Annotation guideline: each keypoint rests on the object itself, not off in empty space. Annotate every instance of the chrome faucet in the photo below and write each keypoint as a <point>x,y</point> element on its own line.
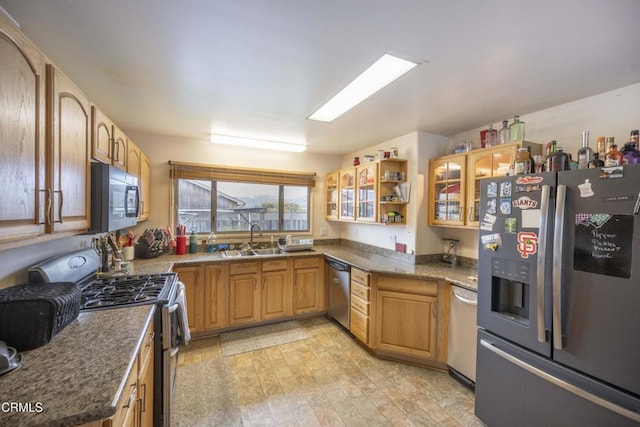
<point>254,226</point>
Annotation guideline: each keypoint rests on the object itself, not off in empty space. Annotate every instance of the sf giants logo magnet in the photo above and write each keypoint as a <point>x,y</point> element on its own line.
<point>527,243</point>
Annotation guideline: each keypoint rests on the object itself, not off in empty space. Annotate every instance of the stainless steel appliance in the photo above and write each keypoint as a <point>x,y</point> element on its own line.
<point>114,198</point>
<point>463,332</point>
<point>124,290</point>
<point>558,299</point>
<point>339,278</point>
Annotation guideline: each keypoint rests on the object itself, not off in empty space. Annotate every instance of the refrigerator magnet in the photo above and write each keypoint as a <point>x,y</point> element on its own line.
<point>510,225</point>
<point>505,206</point>
<point>491,206</point>
<point>611,172</point>
<point>488,218</point>
<point>527,243</point>
<point>585,189</point>
<point>491,241</point>
<point>486,226</point>
<point>505,189</point>
<point>492,189</point>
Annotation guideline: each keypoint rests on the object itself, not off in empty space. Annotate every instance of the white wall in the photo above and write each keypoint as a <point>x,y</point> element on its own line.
<point>161,149</point>
<point>613,113</point>
<point>417,148</point>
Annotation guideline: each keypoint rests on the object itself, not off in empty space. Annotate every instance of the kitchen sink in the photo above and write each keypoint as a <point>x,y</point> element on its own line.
<point>250,253</point>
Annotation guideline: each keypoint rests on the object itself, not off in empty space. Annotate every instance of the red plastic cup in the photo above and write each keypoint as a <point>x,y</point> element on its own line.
<point>181,247</point>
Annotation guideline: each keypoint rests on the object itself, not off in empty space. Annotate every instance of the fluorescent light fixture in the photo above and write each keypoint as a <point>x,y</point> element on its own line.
<point>381,73</point>
<point>256,143</point>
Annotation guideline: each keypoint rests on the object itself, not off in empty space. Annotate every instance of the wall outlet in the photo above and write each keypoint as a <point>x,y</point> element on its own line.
<point>324,232</point>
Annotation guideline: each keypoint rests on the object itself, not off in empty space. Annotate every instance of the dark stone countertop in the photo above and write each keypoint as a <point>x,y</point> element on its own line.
<point>79,376</point>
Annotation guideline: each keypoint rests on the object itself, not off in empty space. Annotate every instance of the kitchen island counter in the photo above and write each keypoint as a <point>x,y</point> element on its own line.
<point>79,376</point>
<point>375,263</point>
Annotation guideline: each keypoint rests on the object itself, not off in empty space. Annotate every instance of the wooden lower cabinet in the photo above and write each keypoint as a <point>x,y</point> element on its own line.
<point>360,310</point>
<point>275,294</point>
<point>309,289</point>
<point>410,320</point>
<point>135,405</point>
<point>206,295</point>
<point>244,299</point>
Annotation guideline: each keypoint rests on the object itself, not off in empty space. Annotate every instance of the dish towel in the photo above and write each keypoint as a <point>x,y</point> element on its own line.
<point>183,320</point>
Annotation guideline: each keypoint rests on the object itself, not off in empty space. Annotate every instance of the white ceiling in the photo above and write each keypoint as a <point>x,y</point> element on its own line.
<point>260,67</point>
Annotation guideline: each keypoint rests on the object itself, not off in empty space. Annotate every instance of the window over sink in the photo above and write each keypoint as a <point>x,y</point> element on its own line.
<point>227,201</point>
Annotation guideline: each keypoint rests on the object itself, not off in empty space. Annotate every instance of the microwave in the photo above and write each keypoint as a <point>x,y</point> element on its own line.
<point>115,198</point>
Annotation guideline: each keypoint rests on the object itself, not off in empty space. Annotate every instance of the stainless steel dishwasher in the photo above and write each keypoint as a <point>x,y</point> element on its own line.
<point>463,332</point>
<point>339,284</point>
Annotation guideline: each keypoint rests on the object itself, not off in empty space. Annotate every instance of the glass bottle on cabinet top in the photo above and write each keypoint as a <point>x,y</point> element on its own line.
<point>331,206</point>
<point>503,133</point>
<point>366,180</point>
<point>516,130</point>
<point>347,194</point>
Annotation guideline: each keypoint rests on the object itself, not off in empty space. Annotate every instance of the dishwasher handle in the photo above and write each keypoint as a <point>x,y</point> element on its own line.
<point>337,265</point>
<point>464,298</point>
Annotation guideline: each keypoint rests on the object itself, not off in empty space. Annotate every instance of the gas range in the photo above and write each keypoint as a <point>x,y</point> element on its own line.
<point>104,291</point>
<point>116,291</point>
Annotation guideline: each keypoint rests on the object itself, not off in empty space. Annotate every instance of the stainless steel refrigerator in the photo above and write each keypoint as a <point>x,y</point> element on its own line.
<point>559,299</point>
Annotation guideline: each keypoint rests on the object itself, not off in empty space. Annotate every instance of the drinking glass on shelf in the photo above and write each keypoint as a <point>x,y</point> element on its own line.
<point>538,161</point>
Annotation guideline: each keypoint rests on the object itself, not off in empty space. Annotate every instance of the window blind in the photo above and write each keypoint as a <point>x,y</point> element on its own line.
<point>182,170</point>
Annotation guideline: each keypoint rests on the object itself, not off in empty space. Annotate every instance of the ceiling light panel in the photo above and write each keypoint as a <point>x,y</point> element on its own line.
<point>381,73</point>
<point>256,143</point>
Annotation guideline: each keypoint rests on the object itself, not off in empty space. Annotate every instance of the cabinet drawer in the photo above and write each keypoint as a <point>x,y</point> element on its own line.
<point>274,264</point>
<point>360,291</point>
<point>359,326</point>
<point>403,284</point>
<point>360,276</point>
<point>306,262</point>
<point>243,267</point>
<point>360,305</point>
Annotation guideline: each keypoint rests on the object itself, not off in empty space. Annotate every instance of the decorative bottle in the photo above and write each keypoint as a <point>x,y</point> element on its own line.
<point>491,137</point>
<point>211,242</point>
<point>596,162</point>
<point>601,147</point>
<point>613,157</point>
<point>559,161</point>
<point>630,153</point>
<point>503,133</point>
<point>522,164</point>
<point>516,130</point>
<point>585,153</point>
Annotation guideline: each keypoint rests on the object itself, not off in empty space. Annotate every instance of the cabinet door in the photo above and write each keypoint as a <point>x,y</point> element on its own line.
<point>446,190</point>
<point>22,145</point>
<point>309,295</point>
<point>331,196</point>
<point>347,203</point>
<point>145,390</point>
<point>134,167</point>
<point>216,298</point>
<point>102,136</point>
<point>244,299</point>
<point>145,188</point>
<point>406,324</point>
<point>367,193</point>
<point>194,293</point>
<point>483,164</point>
<point>275,294</point>
<point>119,150</point>
<point>69,167</point>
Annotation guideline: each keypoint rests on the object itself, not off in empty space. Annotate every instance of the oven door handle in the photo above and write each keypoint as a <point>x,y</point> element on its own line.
<point>167,311</point>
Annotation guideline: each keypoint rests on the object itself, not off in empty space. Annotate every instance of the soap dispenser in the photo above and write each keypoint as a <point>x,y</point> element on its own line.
<point>211,243</point>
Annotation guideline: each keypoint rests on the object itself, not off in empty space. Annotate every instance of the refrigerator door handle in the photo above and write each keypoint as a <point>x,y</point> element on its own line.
<point>558,234</point>
<point>634,416</point>
<point>542,257</point>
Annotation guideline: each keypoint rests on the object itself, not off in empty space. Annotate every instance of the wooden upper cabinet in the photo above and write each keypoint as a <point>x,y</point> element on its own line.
<point>109,143</point>
<point>145,188</point>
<point>101,141</point>
<point>22,126</point>
<point>138,165</point>
<point>68,159</point>
<point>119,149</point>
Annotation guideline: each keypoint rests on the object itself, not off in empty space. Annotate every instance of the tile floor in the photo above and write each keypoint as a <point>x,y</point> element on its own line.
<point>329,380</point>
